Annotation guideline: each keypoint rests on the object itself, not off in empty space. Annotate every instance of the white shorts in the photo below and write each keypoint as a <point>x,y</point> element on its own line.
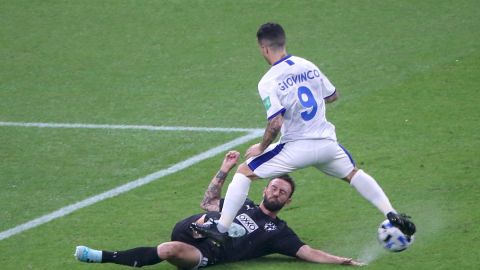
<point>326,155</point>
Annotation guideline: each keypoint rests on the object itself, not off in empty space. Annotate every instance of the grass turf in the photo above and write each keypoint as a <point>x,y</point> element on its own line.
<point>407,72</point>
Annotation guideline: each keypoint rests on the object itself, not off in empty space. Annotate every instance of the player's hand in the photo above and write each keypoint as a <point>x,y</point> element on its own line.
<point>230,161</point>
<point>254,150</point>
<point>350,261</point>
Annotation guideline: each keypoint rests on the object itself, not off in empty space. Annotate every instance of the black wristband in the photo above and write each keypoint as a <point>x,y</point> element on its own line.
<point>221,175</point>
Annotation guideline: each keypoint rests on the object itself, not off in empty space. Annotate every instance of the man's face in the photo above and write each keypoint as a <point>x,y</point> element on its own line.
<point>276,194</point>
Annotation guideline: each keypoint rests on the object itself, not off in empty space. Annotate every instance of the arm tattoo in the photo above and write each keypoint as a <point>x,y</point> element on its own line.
<point>221,175</point>
<point>213,192</point>
<point>271,132</point>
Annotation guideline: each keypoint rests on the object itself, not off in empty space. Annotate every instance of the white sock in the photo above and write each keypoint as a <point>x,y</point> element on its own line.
<point>370,190</point>
<point>236,194</point>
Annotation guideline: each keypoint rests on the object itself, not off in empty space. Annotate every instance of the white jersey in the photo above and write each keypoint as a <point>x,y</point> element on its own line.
<point>296,88</point>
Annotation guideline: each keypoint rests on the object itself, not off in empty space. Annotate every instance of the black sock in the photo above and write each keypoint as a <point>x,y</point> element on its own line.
<point>136,257</point>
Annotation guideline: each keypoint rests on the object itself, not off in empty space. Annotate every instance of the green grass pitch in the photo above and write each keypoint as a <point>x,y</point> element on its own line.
<point>408,73</point>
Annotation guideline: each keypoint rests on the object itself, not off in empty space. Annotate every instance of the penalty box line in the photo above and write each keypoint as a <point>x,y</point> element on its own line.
<point>131,185</point>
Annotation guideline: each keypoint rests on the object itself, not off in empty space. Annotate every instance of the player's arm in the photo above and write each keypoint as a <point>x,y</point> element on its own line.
<point>329,91</point>
<point>333,97</point>
<point>271,132</point>
<point>310,254</point>
<point>211,199</point>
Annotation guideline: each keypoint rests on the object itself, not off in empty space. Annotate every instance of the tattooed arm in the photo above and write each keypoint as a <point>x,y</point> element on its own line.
<point>211,199</point>
<point>271,132</point>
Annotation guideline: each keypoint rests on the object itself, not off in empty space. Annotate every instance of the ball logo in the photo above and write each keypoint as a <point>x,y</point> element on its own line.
<point>247,222</point>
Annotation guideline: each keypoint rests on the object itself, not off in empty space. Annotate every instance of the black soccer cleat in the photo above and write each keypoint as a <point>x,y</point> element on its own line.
<point>209,230</point>
<point>402,222</point>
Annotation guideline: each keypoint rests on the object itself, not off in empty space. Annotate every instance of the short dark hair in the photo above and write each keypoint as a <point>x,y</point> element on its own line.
<point>272,33</point>
<point>287,178</point>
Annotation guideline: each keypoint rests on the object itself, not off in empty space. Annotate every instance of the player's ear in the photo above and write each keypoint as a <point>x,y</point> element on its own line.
<point>263,48</point>
<point>266,50</point>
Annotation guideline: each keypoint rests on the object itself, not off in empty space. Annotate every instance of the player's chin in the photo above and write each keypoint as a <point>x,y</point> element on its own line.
<point>273,206</point>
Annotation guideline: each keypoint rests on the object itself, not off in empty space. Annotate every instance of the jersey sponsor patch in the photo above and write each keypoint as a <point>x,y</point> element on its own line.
<point>267,103</point>
<point>247,222</point>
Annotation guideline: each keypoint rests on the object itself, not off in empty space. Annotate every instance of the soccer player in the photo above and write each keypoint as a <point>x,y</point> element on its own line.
<point>257,231</point>
<point>294,92</point>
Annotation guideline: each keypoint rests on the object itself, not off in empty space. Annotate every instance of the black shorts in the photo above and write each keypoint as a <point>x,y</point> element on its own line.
<point>182,233</point>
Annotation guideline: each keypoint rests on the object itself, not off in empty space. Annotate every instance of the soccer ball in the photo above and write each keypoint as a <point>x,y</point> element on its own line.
<point>392,239</point>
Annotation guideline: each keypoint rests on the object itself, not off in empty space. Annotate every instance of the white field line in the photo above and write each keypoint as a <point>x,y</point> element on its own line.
<point>135,127</point>
<point>129,186</point>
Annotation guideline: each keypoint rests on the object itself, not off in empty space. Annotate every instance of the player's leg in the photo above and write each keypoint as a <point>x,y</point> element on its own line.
<point>343,166</point>
<point>177,253</point>
<point>235,196</point>
<point>182,255</point>
<point>136,257</point>
<point>368,187</point>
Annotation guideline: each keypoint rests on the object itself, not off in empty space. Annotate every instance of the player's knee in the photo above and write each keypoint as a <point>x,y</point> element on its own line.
<point>349,177</point>
<point>168,250</point>
<point>245,170</point>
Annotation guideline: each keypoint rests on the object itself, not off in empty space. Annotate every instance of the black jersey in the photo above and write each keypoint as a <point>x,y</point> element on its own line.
<point>263,235</point>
